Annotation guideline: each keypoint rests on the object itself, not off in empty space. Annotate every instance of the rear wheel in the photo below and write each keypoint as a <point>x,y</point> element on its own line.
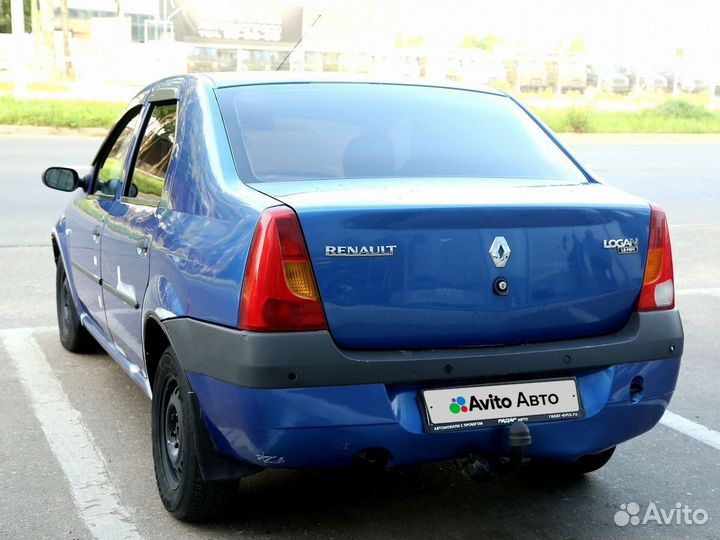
<point>73,335</point>
<point>182,489</point>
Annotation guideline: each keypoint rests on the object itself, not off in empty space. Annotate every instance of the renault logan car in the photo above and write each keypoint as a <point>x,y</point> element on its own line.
<point>311,273</point>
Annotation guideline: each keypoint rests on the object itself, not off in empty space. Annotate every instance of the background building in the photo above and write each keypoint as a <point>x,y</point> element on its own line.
<point>602,46</point>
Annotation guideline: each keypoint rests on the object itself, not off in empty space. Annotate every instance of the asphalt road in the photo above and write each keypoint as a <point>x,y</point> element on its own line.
<point>56,471</point>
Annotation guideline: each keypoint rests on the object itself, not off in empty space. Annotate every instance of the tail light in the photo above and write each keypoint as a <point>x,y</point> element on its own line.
<point>279,292</point>
<point>658,291</point>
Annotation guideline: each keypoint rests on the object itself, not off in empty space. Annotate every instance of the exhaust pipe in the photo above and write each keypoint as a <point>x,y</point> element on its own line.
<point>481,469</point>
<point>372,459</point>
<point>476,468</point>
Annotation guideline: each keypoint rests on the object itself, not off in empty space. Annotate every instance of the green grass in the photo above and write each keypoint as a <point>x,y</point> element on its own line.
<point>59,113</point>
<point>676,116</point>
<point>148,184</point>
<point>36,86</point>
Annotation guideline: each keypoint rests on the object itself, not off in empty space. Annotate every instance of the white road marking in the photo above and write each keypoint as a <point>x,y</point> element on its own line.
<point>34,329</point>
<point>691,429</point>
<point>693,225</point>
<point>711,291</point>
<point>94,495</point>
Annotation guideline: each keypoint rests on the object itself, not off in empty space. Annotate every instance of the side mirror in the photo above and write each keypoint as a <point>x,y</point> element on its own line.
<point>61,178</point>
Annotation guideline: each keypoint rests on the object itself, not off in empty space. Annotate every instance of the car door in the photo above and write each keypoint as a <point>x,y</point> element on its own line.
<point>129,229</point>
<point>86,215</point>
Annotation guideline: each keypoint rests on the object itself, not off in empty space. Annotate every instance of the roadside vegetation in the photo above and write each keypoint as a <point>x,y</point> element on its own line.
<point>59,113</point>
<point>673,116</point>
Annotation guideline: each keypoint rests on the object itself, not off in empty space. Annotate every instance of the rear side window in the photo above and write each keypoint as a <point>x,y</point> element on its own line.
<point>153,158</point>
<point>339,131</point>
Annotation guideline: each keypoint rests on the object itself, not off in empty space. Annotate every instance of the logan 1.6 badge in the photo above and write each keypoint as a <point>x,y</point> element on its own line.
<point>624,246</point>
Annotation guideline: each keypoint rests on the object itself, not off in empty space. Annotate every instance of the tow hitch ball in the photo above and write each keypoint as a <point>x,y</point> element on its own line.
<point>481,469</point>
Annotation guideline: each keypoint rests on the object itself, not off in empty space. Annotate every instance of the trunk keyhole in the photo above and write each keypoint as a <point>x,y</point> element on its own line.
<point>501,286</point>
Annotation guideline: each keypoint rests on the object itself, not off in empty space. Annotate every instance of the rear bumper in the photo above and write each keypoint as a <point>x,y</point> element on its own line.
<point>295,400</point>
<point>309,359</point>
<point>327,426</point>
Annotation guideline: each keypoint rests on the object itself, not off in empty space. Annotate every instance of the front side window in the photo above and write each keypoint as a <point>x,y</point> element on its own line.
<point>285,132</point>
<point>151,165</point>
<point>112,169</point>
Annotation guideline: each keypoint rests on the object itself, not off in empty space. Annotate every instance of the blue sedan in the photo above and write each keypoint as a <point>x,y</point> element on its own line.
<point>318,273</point>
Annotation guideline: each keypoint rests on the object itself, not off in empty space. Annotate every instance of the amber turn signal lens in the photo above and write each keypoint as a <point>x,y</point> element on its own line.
<point>300,279</point>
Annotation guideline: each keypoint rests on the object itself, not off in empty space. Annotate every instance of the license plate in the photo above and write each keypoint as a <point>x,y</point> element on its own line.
<point>468,407</point>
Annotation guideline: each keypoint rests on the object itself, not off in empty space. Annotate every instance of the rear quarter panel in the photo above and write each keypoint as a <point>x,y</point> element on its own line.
<point>206,224</point>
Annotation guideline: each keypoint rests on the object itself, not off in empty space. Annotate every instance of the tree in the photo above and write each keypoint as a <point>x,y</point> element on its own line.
<point>43,26</point>
<point>5,19</point>
<point>577,45</point>
<point>66,39</point>
<point>487,43</point>
<point>401,40</point>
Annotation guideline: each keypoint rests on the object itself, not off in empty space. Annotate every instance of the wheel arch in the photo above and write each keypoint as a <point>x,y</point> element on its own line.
<point>55,248</point>
<point>214,465</point>
<point>155,341</point>
<point>60,255</point>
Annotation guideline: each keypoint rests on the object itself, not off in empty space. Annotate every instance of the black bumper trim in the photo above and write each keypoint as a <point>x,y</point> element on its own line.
<point>293,360</point>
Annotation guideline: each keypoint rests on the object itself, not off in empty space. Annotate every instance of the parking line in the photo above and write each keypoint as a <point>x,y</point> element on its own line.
<point>691,429</point>
<point>94,495</point>
<point>693,225</point>
<point>711,291</point>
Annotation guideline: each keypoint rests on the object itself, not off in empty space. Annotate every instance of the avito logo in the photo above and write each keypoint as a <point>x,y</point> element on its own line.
<point>458,405</point>
<point>630,514</point>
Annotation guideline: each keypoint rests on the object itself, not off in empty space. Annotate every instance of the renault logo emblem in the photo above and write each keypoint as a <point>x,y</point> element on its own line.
<point>500,251</point>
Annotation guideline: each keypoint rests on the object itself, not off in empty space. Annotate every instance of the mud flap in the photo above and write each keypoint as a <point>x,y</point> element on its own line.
<point>215,465</point>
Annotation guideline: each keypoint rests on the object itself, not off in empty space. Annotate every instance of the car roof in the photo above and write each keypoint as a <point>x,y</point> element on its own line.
<point>230,79</point>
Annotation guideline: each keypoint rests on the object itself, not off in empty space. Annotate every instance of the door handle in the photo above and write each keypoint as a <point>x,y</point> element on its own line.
<point>142,246</point>
<point>96,233</point>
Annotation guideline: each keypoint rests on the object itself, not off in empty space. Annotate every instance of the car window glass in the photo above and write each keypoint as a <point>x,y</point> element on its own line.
<point>148,178</point>
<point>112,170</point>
<point>342,131</point>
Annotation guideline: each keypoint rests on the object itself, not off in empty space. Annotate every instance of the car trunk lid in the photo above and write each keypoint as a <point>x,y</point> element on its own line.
<point>407,263</point>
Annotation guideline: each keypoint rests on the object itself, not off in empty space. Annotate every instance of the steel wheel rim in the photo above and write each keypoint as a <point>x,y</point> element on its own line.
<point>65,304</point>
<point>170,433</point>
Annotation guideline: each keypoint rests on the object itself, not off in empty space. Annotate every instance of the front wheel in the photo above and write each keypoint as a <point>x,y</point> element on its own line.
<point>184,492</point>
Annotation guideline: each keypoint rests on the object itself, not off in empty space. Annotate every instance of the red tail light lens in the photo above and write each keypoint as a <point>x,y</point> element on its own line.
<point>279,292</point>
<point>658,291</point>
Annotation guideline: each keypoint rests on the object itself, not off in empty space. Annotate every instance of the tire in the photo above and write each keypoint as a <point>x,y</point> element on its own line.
<point>584,464</point>
<point>182,489</point>
<point>73,335</point>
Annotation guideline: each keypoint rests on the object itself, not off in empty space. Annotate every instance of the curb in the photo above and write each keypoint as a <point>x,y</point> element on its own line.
<point>48,131</point>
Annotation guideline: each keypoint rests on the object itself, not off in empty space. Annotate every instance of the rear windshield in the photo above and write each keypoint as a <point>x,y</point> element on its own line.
<point>304,131</point>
